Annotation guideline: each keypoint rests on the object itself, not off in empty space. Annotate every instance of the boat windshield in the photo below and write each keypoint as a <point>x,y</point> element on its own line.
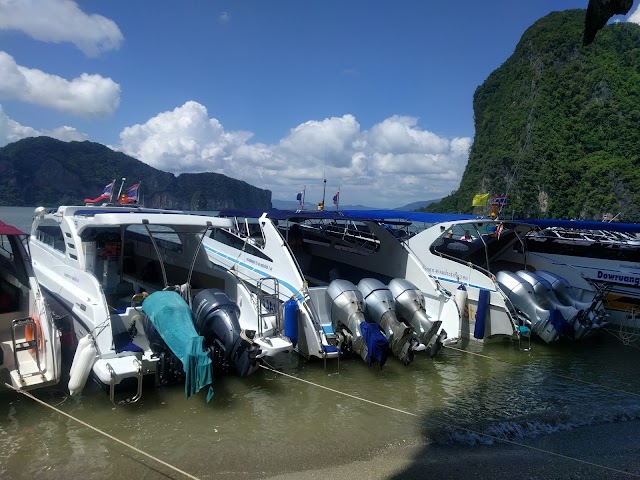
<point>476,242</point>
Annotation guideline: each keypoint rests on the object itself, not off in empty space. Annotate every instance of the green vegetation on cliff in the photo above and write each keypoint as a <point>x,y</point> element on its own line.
<point>45,171</point>
<point>557,125</point>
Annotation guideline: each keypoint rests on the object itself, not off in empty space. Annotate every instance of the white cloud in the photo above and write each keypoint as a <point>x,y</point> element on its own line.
<point>393,163</point>
<point>635,16</point>
<point>60,21</point>
<point>224,17</point>
<point>11,131</point>
<point>86,95</point>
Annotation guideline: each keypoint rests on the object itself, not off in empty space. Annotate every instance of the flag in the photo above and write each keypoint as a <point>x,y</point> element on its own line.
<point>132,193</point>
<point>499,201</point>
<point>499,230</point>
<point>336,198</point>
<point>106,194</point>
<point>299,198</point>
<point>480,200</point>
<point>131,196</point>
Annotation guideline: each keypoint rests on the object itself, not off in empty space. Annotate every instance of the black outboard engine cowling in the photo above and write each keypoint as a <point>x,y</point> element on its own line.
<point>216,319</point>
<point>380,308</point>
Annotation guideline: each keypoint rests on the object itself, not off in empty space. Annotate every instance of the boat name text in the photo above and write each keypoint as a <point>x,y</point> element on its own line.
<point>71,277</point>
<point>616,277</point>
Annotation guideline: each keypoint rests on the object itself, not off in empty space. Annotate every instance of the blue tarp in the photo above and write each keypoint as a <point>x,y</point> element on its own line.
<point>171,317</point>
<point>377,343</point>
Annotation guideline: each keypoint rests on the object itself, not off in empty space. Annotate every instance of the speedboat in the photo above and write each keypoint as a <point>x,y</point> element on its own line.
<point>144,299</point>
<point>30,353</point>
<point>609,262</point>
<point>292,247</point>
<point>487,257</point>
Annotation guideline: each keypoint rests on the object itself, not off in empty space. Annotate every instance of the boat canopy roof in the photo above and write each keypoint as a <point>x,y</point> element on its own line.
<point>586,225</point>
<point>96,218</point>
<point>6,229</point>
<point>380,216</point>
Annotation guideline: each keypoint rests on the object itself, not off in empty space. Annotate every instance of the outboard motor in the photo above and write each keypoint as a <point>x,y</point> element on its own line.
<point>546,298</point>
<point>521,294</point>
<point>593,315</point>
<point>347,315</point>
<point>170,369</point>
<point>216,319</point>
<point>380,308</point>
<point>410,307</point>
<point>347,312</point>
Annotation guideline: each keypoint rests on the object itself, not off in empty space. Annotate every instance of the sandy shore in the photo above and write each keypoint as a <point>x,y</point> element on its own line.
<point>610,451</point>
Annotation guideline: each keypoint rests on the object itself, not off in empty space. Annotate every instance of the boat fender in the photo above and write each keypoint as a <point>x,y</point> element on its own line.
<point>481,314</point>
<point>82,369</point>
<point>291,320</point>
<point>461,301</point>
<point>83,342</point>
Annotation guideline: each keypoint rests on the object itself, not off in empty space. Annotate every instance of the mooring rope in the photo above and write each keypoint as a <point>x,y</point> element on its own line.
<point>468,430</point>
<point>110,437</point>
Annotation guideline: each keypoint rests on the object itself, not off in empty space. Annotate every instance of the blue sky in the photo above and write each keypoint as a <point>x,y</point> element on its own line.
<point>374,95</point>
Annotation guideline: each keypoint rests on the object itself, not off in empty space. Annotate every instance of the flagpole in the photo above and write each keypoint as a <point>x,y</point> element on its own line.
<point>121,185</point>
<point>113,184</point>
<point>338,200</point>
<point>324,190</point>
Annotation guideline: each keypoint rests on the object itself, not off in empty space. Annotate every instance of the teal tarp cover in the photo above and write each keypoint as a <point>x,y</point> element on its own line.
<point>171,317</point>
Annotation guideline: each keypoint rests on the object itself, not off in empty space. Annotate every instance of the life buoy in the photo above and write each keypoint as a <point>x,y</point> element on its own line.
<point>29,334</point>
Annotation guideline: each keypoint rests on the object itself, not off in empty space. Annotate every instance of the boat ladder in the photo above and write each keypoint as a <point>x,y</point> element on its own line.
<point>112,384</point>
<point>269,306</point>
<point>21,345</point>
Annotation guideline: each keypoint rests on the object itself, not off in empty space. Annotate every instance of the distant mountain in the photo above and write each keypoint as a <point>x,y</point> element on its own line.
<point>417,205</point>
<point>44,171</point>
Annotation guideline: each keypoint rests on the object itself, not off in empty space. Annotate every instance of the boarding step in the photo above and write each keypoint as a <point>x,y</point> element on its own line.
<point>272,345</point>
<point>112,371</point>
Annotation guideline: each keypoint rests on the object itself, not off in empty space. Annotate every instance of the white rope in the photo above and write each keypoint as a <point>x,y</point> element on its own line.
<point>111,437</point>
<point>511,442</point>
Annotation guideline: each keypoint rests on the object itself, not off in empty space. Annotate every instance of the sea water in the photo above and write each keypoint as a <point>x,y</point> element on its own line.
<point>300,417</point>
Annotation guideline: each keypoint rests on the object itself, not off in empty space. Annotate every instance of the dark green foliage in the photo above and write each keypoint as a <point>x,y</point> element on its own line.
<point>43,171</point>
<point>557,125</point>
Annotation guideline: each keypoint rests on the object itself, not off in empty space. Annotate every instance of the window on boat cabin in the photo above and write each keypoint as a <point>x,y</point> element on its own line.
<point>234,241</point>
<point>165,236</point>
<point>6,250</point>
<point>49,232</point>
<point>12,254</point>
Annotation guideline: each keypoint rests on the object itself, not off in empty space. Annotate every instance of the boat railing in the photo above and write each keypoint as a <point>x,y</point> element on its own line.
<point>511,309</point>
<point>268,305</point>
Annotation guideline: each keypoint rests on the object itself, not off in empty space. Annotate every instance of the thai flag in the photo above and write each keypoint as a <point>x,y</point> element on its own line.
<point>106,194</point>
<point>132,193</point>
<point>499,201</point>
<point>108,190</point>
<point>336,198</point>
<point>299,198</point>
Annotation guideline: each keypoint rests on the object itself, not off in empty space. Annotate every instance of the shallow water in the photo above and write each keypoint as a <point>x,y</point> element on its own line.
<point>270,424</point>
